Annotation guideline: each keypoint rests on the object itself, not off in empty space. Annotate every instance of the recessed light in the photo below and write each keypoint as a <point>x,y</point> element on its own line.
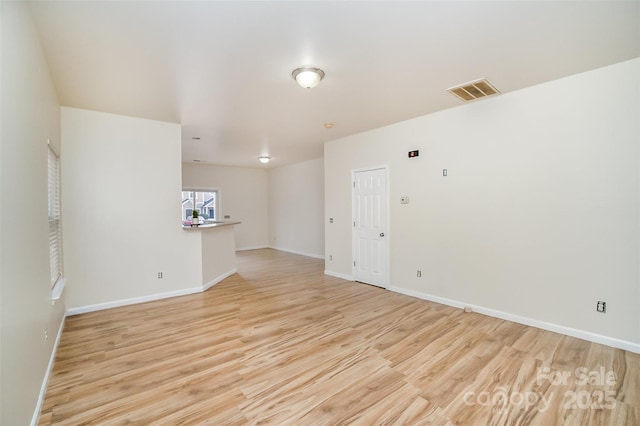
<point>196,161</point>
<point>328,125</point>
<point>196,138</point>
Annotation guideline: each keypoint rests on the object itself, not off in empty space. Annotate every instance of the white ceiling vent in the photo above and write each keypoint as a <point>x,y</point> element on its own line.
<point>473,90</point>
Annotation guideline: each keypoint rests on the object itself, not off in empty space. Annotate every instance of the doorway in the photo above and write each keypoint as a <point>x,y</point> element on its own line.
<point>370,240</point>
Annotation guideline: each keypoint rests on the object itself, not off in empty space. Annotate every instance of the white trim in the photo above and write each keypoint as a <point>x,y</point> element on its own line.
<point>252,248</point>
<point>149,298</point>
<point>199,189</point>
<point>215,281</point>
<point>58,288</point>
<point>301,253</point>
<point>366,169</point>
<point>218,204</point>
<point>568,331</point>
<point>339,275</point>
<point>45,381</point>
<point>53,148</point>
<point>132,301</point>
<point>387,240</point>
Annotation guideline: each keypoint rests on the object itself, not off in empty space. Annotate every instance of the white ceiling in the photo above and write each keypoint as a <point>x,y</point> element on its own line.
<point>223,69</point>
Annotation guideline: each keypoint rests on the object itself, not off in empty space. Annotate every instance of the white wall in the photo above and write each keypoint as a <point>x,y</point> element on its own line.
<point>296,208</point>
<point>121,206</point>
<point>29,116</point>
<point>539,214</point>
<point>243,196</point>
<point>218,254</point>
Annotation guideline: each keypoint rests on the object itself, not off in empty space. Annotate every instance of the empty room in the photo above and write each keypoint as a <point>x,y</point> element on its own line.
<point>320,212</point>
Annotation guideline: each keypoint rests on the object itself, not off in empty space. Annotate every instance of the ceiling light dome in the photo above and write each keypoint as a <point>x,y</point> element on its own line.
<point>264,159</point>
<point>308,77</point>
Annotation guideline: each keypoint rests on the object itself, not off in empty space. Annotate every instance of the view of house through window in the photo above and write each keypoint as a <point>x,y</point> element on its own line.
<point>205,202</point>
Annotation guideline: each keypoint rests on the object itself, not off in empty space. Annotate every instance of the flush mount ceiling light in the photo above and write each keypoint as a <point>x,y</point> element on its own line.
<point>308,77</point>
<point>264,159</point>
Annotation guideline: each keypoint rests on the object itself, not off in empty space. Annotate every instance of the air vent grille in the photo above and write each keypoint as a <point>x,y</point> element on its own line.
<point>473,90</point>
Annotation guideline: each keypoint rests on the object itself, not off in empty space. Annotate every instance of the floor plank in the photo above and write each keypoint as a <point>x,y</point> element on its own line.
<point>280,343</point>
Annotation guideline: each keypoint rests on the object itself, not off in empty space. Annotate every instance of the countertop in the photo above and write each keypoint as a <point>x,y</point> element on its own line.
<point>210,225</point>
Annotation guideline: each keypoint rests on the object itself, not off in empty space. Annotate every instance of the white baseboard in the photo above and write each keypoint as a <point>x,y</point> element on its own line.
<point>251,248</point>
<point>339,275</point>
<point>45,382</point>
<point>148,298</point>
<point>215,281</point>
<point>132,301</point>
<point>568,331</point>
<point>301,253</point>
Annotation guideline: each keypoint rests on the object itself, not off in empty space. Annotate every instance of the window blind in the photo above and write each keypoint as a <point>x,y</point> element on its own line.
<point>55,228</point>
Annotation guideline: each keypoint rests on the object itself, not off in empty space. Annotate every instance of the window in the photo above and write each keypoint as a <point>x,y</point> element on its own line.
<point>205,202</point>
<point>55,226</point>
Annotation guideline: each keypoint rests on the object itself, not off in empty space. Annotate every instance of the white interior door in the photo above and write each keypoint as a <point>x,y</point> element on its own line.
<point>370,226</point>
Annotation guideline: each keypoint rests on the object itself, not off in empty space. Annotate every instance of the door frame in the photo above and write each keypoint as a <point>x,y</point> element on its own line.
<point>387,207</point>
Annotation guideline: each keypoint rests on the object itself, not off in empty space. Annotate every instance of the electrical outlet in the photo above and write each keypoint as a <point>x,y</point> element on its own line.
<point>160,275</point>
<point>330,257</point>
<point>419,274</point>
<point>601,307</point>
<point>46,334</point>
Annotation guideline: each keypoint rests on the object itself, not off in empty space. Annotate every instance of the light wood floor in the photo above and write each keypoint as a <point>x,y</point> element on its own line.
<point>280,343</point>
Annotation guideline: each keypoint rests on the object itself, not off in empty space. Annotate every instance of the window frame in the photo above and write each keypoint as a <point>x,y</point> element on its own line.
<point>216,205</point>
<point>54,218</point>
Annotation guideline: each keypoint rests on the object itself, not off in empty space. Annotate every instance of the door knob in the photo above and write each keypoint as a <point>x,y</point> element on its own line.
<point>382,234</point>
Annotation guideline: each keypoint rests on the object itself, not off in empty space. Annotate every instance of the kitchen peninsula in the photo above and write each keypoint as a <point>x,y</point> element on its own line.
<point>218,250</point>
